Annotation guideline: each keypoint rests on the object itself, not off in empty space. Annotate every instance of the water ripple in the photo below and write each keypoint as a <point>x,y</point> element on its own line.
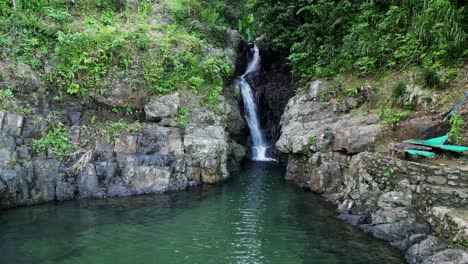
<point>254,218</point>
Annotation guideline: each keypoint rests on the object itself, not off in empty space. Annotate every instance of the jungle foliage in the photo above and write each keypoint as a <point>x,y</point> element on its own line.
<point>325,37</point>
<point>160,46</point>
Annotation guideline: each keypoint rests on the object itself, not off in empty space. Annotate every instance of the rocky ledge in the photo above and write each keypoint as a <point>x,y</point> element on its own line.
<point>130,141</point>
<point>419,208</point>
<point>162,156</point>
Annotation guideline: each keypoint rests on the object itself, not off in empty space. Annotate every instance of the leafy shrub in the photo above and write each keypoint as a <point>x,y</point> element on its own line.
<point>57,15</point>
<point>457,123</point>
<point>57,139</point>
<point>83,58</point>
<point>5,94</point>
<point>431,78</point>
<point>162,58</point>
<point>323,38</point>
<point>417,95</point>
<point>110,131</point>
<point>398,91</point>
<point>392,117</point>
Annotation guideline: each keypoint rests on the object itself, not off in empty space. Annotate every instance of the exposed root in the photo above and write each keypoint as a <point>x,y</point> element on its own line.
<point>84,160</point>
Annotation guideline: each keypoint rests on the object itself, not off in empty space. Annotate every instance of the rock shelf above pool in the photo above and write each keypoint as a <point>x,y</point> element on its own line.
<point>418,207</point>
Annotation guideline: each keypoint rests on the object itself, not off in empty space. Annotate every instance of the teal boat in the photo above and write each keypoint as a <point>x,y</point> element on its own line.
<point>423,153</point>
<point>439,143</point>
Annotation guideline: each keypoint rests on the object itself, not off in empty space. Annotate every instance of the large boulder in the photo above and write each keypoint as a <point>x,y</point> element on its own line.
<point>121,93</point>
<point>448,256</point>
<point>421,252</point>
<point>160,107</point>
<point>308,124</point>
<point>318,173</point>
<point>422,128</point>
<point>208,147</point>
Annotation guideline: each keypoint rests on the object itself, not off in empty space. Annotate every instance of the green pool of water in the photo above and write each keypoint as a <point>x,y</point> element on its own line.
<point>256,217</point>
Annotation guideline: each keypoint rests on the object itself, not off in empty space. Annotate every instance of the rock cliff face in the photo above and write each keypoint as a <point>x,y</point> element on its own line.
<point>418,208</point>
<point>179,141</point>
<point>157,159</point>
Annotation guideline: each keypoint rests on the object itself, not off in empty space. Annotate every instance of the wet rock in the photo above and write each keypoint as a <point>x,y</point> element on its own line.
<point>88,184</point>
<point>17,181</point>
<point>449,256</point>
<point>235,48</point>
<point>420,252</point>
<point>354,220</point>
<point>66,187</point>
<point>273,86</point>
<point>46,177</point>
<point>143,179</point>
<point>391,231</point>
<point>236,154</point>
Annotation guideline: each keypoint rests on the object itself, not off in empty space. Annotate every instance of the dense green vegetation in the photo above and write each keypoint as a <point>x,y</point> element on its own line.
<point>395,58</point>
<point>323,38</point>
<point>374,51</point>
<point>75,44</point>
<point>81,48</point>
<point>58,139</point>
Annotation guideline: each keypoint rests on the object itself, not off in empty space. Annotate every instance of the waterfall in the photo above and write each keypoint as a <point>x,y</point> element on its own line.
<point>260,146</point>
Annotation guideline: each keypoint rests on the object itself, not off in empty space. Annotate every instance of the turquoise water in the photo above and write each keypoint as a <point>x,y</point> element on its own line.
<point>256,217</point>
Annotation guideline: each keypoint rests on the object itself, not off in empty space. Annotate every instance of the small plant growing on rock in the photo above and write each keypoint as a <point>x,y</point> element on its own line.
<point>312,140</point>
<point>398,91</point>
<point>57,139</point>
<point>388,175</point>
<point>457,126</point>
<point>461,243</point>
<point>5,94</point>
<point>392,117</point>
<point>323,97</point>
<point>431,78</point>
<point>182,117</point>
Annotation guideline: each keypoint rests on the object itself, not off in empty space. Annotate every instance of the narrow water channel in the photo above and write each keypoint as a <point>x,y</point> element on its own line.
<point>256,217</point>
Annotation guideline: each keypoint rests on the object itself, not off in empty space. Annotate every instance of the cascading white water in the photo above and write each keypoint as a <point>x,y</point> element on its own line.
<point>260,146</point>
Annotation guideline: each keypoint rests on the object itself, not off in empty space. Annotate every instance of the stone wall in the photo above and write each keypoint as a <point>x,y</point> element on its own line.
<point>432,185</point>
<point>403,202</point>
